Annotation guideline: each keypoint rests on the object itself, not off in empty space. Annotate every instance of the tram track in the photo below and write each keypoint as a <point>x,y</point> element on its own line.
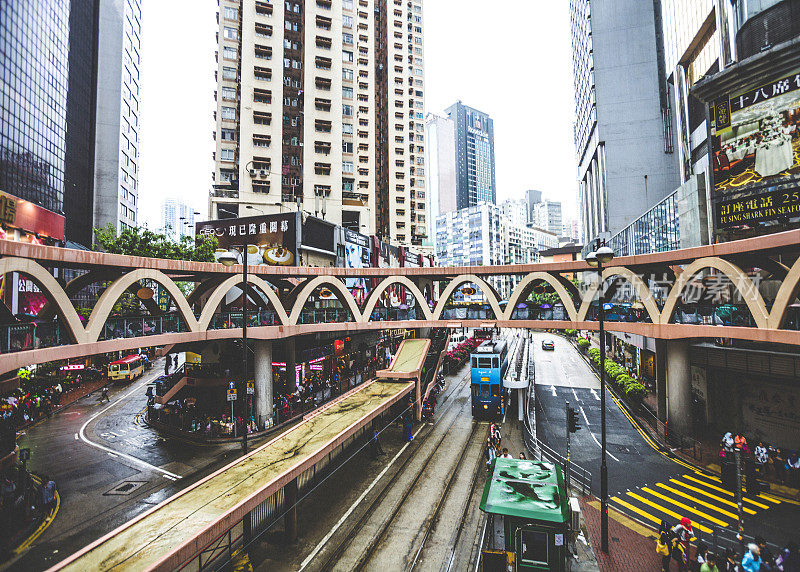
<point>376,540</point>
<point>449,402</point>
<point>474,442</point>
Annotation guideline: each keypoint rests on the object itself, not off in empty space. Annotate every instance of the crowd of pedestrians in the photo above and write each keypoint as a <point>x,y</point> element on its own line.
<point>768,461</point>
<point>674,545</point>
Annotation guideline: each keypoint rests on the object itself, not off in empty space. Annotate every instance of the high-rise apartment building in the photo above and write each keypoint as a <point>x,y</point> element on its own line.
<point>623,131</point>
<point>547,215</point>
<point>177,219</point>
<point>320,108</point>
<point>475,176</point>
<point>488,234</point>
<point>116,174</point>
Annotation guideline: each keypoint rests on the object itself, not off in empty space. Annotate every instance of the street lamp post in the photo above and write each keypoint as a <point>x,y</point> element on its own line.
<point>603,255</point>
<point>229,260</point>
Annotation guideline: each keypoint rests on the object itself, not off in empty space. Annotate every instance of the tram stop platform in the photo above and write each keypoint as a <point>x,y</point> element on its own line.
<point>407,365</point>
<point>190,527</point>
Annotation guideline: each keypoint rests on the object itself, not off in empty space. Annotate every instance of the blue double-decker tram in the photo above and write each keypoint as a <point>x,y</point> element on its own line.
<point>489,363</point>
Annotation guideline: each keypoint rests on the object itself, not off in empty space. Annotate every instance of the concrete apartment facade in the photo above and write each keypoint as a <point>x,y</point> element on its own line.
<point>320,108</point>
<point>116,151</point>
<point>623,142</point>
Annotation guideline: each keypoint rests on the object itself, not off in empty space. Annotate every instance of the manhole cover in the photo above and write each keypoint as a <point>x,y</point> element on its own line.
<point>125,488</point>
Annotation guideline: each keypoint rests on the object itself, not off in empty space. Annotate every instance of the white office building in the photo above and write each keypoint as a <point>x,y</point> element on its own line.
<point>177,219</point>
<point>483,235</point>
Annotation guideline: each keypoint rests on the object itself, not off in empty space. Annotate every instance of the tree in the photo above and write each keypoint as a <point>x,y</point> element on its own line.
<point>144,242</point>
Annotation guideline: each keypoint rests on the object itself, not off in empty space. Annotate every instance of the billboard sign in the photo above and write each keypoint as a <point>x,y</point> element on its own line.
<point>271,239</point>
<point>29,217</point>
<point>357,254</point>
<point>755,144</point>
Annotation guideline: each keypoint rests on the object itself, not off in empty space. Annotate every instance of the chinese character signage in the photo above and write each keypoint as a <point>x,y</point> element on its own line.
<point>755,141</point>
<point>30,218</point>
<point>763,207</point>
<point>271,239</point>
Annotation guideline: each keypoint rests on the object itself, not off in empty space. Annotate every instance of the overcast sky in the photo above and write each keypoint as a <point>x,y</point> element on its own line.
<point>512,61</point>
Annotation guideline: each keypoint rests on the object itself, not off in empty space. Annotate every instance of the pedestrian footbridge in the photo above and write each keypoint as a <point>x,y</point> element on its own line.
<point>202,525</point>
<point>746,289</point>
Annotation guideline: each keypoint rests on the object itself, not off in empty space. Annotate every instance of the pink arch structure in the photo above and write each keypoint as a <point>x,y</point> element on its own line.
<point>738,261</point>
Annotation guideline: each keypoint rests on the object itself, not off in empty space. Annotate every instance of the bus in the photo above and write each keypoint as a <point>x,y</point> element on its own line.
<point>126,369</point>
<point>489,363</point>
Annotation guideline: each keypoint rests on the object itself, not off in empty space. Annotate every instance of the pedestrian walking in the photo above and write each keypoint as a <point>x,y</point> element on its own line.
<point>505,454</point>
<point>490,452</point>
<point>710,564</point>
<point>408,427</point>
<point>752,559</point>
<point>767,558</point>
<point>684,533</point>
<point>376,444</point>
<point>104,395</point>
<point>664,544</point>
<point>522,455</point>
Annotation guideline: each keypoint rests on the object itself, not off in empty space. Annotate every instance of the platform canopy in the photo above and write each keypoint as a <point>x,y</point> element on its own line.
<point>526,489</point>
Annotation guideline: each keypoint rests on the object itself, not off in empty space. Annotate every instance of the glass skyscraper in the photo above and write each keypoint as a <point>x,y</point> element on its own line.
<point>34,47</point>
<point>475,176</point>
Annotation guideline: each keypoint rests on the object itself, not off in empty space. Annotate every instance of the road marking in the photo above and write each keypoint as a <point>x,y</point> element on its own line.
<point>599,445</point>
<point>82,434</point>
<point>686,507</point>
<point>111,455</point>
<point>667,511</point>
<point>350,510</point>
<point>716,498</point>
<point>42,527</point>
<point>698,501</point>
<point>553,389</point>
<point>625,520</point>
<point>745,499</point>
<point>76,437</point>
<point>637,510</point>
<point>170,478</point>
<point>575,394</point>
<point>584,416</point>
<point>594,393</point>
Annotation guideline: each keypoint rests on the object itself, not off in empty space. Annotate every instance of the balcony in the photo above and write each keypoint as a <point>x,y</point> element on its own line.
<point>225,192</point>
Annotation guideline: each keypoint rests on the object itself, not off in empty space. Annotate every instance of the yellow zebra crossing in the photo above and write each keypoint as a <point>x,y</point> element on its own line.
<point>696,495</point>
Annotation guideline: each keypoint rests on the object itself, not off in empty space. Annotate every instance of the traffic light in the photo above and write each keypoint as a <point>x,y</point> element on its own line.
<point>572,420</point>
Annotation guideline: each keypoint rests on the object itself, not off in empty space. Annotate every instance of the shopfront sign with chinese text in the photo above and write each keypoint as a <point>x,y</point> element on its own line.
<point>755,139</point>
<point>271,239</point>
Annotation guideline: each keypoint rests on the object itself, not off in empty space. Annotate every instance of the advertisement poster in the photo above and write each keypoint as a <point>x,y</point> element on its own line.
<point>755,141</point>
<point>357,254</point>
<point>271,239</point>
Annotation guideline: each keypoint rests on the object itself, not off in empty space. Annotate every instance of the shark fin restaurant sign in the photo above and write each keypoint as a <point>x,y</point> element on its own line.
<point>755,144</point>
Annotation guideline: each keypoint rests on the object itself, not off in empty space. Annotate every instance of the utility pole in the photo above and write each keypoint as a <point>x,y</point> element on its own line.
<point>738,458</point>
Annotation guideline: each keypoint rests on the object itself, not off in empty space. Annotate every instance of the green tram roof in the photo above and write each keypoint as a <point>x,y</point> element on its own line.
<point>526,489</point>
